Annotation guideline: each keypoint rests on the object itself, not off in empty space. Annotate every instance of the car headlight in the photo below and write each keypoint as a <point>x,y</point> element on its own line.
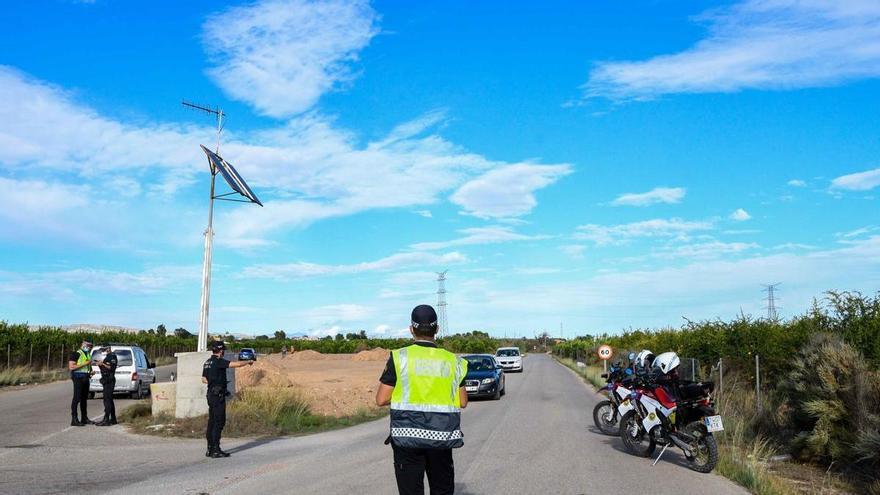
<point>487,381</point>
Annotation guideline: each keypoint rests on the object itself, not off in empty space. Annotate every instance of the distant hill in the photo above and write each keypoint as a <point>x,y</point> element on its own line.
<point>91,328</point>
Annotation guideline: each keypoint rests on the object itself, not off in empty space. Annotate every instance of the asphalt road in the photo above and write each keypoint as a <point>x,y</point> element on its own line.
<point>538,439</point>
<point>28,414</point>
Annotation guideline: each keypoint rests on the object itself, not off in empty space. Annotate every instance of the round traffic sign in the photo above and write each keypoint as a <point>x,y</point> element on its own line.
<point>605,352</point>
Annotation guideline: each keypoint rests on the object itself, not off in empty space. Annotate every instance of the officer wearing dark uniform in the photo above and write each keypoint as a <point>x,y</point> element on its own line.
<point>424,386</point>
<point>214,374</point>
<point>80,365</point>
<point>108,382</point>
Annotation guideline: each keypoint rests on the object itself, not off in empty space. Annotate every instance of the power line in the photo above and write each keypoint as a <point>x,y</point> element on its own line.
<point>770,289</point>
<point>441,301</point>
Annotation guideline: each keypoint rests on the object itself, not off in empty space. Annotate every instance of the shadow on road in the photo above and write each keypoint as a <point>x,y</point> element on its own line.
<point>253,444</point>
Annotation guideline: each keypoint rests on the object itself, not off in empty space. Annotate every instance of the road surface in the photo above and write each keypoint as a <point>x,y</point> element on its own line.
<point>539,439</point>
<point>28,414</point>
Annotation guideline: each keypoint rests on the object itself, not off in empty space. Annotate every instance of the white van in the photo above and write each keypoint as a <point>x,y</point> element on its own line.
<point>134,372</point>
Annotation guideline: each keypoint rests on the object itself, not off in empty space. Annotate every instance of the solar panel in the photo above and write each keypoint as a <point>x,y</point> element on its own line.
<point>218,164</point>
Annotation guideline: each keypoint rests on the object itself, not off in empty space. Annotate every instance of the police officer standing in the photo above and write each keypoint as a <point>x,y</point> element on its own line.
<point>214,374</point>
<point>80,365</point>
<point>108,382</point>
<point>425,387</point>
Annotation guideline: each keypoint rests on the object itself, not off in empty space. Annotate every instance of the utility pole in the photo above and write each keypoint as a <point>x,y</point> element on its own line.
<point>770,289</point>
<point>441,302</point>
<point>237,183</point>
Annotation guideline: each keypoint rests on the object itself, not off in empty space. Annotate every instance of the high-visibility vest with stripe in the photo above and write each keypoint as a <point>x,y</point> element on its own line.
<point>82,360</point>
<point>425,405</point>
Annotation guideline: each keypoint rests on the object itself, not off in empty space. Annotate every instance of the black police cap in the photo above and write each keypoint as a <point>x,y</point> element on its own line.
<point>218,345</point>
<point>423,316</point>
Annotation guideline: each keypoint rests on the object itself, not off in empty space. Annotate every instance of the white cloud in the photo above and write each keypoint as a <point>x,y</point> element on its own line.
<point>706,250</point>
<point>757,44</point>
<point>281,56</point>
<point>861,181</point>
<point>715,288</point>
<point>507,191</point>
<point>740,215</point>
<point>657,195</point>
<point>797,183</point>
<point>860,232</point>
<point>424,213</point>
<point>305,171</point>
<point>622,233</point>
<point>287,271</point>
<point>575,251</point>
<point>68,284</point>
<point>333,314</point>
<point>480,235</point>
<point>41,126</point>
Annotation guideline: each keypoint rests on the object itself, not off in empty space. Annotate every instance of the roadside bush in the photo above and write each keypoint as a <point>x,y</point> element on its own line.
<point>833,404</point>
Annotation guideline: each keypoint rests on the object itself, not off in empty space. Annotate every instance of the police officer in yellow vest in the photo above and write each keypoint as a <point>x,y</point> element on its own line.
<point>80,365</point>
<point>425,387</point>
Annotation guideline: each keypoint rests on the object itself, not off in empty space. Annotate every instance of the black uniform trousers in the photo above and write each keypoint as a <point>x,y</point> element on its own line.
<point>80,394</point>
<point>109,384</point>
<point>411,465</point>
<point>216,418</point>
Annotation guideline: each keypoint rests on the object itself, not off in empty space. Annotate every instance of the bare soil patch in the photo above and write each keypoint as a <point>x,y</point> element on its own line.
<point>332,384</point>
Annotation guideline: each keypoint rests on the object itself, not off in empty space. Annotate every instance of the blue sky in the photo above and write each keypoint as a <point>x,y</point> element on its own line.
<point>598,165</point>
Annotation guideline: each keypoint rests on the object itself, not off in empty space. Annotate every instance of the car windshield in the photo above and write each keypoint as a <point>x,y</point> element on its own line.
<point>480,363</point>
<point>507,353</point>
<point>247,350</point>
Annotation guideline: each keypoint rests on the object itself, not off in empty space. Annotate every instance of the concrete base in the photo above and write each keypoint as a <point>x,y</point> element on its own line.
<point>191,392</point>
<point>164,398</point>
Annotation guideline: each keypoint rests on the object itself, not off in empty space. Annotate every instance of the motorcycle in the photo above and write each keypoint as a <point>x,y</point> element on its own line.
<point>686,420</point>
<point>607,413</point>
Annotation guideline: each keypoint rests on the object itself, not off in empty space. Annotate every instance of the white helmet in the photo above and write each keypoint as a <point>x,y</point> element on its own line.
<point>645,358</point>
<point>667,362</point>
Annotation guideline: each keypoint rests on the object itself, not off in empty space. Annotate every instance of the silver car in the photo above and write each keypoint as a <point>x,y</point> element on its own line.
<point>134,372</point>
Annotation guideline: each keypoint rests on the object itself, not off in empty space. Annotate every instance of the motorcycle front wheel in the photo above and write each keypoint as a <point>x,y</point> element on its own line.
<point>704,449</point>
<point>605,417</point>
<point>636,440</point>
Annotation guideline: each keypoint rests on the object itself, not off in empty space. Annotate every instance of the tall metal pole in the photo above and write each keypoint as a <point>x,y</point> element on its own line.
<point>206,272</point>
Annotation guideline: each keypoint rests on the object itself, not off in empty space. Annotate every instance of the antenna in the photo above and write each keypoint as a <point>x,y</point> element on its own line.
<point>216,111</point>
<point>441,300</point>
<point>770,289</point>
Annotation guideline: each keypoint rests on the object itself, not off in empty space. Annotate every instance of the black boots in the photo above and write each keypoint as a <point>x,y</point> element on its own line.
<point>75,421</point>
<point>215,452</point>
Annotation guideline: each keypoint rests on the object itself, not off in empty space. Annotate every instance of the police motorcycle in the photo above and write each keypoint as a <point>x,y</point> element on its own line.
<point>640,365</point>
<point>605,414</point>
<point>666,411</point>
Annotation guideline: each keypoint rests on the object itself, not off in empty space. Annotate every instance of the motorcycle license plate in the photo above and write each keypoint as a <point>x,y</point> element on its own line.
<point>713,423</point>
<point>470,389</point>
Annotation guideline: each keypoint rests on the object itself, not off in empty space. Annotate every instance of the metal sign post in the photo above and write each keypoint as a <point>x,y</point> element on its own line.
<point>605,354</point>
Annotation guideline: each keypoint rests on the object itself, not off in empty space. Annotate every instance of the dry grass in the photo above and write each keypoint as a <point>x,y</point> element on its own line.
<point>23,375</point>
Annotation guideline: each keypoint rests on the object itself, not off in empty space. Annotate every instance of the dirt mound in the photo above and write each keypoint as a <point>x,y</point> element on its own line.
<point>308,355</point>
<point>263,372</point>
<point>377,354</point>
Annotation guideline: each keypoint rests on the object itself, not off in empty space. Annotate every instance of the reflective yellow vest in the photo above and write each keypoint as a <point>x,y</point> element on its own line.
<point>425,405</point>
<point>82,360</point>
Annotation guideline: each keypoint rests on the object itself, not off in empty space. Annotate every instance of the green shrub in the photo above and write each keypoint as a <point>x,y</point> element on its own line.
<point>834,408</point>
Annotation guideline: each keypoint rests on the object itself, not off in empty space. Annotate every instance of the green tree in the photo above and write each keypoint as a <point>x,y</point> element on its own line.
<point>339,337</point>
<point>280,335</point>
<point>182,333</point>
<point>161,330</point>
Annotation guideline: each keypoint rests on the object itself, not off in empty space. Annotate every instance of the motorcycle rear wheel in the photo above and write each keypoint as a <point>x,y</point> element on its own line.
<point>636,440</point>
<point>605,417</point>
<point>705,454</point>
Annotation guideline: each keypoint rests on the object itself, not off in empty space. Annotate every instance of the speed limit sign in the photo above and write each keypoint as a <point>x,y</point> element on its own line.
<point>605,352</point>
